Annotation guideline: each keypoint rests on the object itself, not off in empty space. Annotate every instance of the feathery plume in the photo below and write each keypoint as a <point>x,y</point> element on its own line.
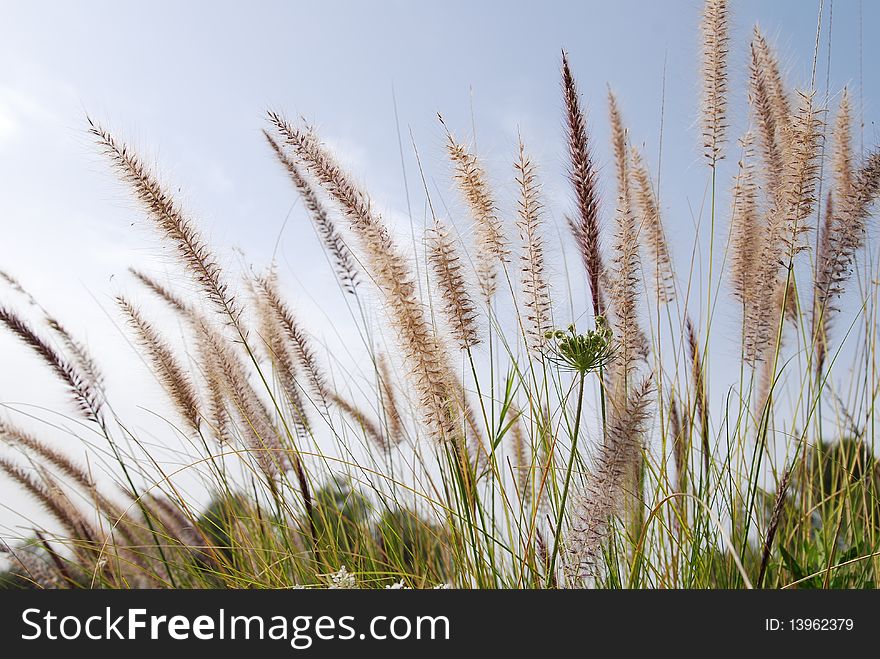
<point>536,290</point>
<point>773,525</point>
<point>715,35</point>
<point>843,157</point>
<point>680,449</point>
<point>52,500</point>
<point>171,221</point>
<point>821,315</point>
<point>177,525</point>
<point>458,307</point>
<point>522,463</point>
<point>700,403</point>
<point>625,283</point>
<point>491,247</point>
<point>370,428</point>
<point>346,268</point>
<point>227,375</point>
<point>632,345</point>
<point>390,407</point>
<point>787,302</point>
<point>277,346</point>
<point>86,394</point>
<point>82,359</point>
<point>658,248</point>
<point>841,239</point>
<point>74,517</point>
<point>619,147</point>
<point>299,340</point>
<point>63,463</point>
<point>604,492</point>
<point>217,413</point>
<point>15,285</point>
<point>216,394</point>
<point>802,168</point>
<point>425,355</point>
<point>475,450</point>
<point>849,224</point>
<point>768,67</point>
<point>261,437</point>
<point>745,225</point>
<point>786,222</point>
<point>50,456</point>
<point>765,118</point>
<point>582,174</point>
<point>168,369</point>
<point>162,292</point>
<point>765,385</point>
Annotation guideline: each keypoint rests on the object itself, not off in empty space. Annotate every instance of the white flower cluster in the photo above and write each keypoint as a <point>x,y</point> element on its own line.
<point>401,586</point>
<point>345,580</point>
<point>342,579</point>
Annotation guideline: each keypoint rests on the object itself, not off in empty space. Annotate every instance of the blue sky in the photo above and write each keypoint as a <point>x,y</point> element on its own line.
<point>188,83</point>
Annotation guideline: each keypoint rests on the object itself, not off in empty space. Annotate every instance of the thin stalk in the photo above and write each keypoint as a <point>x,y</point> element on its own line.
<point>582,377</point>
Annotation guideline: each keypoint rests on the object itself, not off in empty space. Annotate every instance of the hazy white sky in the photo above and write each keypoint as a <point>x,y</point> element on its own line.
<point>188,83</point>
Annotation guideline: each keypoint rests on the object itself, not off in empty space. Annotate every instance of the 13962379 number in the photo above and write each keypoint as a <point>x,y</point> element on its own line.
<point>821,624</point>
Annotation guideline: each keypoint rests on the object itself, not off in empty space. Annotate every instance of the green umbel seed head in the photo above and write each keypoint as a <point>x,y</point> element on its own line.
<point>581,352</point>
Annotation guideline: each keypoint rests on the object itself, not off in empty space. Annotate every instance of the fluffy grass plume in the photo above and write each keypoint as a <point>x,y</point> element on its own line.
<point>482,422</point>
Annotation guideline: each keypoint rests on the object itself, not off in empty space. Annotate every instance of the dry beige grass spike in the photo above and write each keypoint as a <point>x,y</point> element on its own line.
<point>536,289</point>
<point>680,447</point>
<point>360,418</point>
<point>787,221</point>
<point>220,421</point>
<point>83,360</point>
<point>778,96</point>
<point>842,237</point>
<point>715,33</point>
<point>18,437</point>
<point>624,291</point>
<point>652,224</point>
<point>172,223</point>
<point>86,394</point>
<point>821,284</point>
<point>802,167</point>
<point>701,404</point>
<point>619,147</point>
<point>427,358</point>
<point>828,250</point>
<point>259,433</point>
<point>491,244</point>
<point>170,373</point>
<point>280,352</point>
<point>267,288</point>
<point>521,455</point>
<point>458,306</point>
<point>390,406</point>
<point>52,500</point>
<point>842,143</point>
<point>217,415</point>
<point>625,282</point>
<point>604,492</point>
<point>161,291</point>
<point>766,122</point>
<point>745,230</point>
<point>346,268</point>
